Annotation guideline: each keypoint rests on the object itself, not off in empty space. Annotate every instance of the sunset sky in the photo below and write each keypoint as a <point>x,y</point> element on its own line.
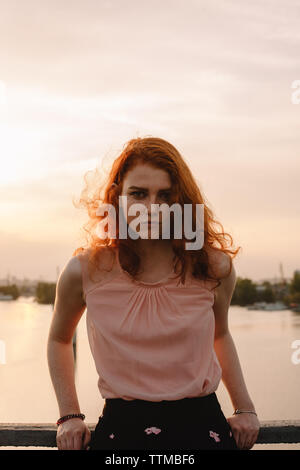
<point>80,78</point>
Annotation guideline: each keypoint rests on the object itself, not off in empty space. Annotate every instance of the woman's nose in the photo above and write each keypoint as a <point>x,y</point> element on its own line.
<point>152,205</point>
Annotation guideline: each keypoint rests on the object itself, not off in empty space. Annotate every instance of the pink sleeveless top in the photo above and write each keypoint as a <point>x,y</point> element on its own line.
<point>151,341</point>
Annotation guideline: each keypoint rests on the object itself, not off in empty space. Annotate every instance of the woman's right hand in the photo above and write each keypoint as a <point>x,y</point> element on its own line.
<point>73,434</point>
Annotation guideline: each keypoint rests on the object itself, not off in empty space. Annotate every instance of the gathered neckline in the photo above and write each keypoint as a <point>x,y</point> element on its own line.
<point>164,280</point>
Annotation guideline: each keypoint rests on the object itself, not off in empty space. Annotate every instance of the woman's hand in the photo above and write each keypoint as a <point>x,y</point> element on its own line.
<point>73,434</point>
<point>245,428</point>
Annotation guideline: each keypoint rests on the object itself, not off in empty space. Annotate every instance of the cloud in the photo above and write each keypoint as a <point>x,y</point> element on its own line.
<point>134,45</point>
<point>213,77</point>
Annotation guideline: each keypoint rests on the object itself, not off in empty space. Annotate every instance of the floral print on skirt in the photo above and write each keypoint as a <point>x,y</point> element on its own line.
<point>190,423</point>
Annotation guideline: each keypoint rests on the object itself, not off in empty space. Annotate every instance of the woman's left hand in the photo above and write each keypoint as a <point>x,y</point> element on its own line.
<point>245,428</point>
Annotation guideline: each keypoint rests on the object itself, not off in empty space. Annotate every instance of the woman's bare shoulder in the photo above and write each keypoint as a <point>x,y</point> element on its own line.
<point>97,262</point>
<point>220,262</point>
<point>73,270</point>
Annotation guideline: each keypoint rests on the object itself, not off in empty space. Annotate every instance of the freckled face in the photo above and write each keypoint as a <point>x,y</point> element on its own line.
<point>146,185</point>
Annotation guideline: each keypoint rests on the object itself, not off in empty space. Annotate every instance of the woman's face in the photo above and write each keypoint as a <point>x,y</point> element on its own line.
<point>146,185</point>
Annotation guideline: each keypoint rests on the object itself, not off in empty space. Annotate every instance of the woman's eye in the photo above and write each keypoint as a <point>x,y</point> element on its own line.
<point>140,194</point>
<point>137,193</point>
<point>165,196</point>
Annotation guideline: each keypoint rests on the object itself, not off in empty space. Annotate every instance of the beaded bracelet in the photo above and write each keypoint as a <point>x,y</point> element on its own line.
<point>66,417</point>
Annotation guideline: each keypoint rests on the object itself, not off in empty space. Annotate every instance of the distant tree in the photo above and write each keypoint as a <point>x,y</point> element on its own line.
<point>45,293</point>
<point>10,290</point>
<point>267,294</point>
<point>295,283</point>
<point>294,298</point>
<point>281,290</point>
<point>244,292</point>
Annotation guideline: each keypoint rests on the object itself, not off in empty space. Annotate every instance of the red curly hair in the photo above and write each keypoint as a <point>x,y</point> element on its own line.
<point>160,154</point>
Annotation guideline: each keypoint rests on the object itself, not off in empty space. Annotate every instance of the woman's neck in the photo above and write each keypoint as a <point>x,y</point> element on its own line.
<point>153,251</point>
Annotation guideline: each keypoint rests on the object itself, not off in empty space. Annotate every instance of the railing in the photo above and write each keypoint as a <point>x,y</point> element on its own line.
<point>44,435</point>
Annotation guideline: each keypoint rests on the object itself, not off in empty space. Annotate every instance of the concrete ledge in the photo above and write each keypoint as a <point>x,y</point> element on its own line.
<point>44,435</point>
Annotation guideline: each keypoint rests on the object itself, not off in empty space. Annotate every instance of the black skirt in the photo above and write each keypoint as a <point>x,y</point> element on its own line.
<point>196,423</point>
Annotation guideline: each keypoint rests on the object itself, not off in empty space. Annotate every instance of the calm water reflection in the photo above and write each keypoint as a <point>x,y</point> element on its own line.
<point>263,340</point>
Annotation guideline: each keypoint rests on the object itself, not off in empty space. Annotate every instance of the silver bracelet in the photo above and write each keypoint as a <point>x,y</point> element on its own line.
<point>237,412</point>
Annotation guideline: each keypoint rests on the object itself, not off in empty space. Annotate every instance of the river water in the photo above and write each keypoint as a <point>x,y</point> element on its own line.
<point>263,340</point>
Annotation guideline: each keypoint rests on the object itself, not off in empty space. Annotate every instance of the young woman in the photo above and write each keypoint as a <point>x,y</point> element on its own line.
<point>157,319</point>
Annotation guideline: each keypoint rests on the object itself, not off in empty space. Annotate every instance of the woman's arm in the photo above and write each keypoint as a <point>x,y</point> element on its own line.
<point>68,309</point>
<point>245,427</point>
